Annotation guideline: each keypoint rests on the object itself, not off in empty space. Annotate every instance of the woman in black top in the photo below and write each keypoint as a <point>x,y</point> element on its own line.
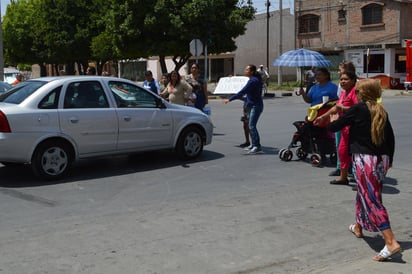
<point>371,143</point>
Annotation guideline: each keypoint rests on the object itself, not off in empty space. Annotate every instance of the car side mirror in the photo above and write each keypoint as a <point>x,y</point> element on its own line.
<point>160,103</point>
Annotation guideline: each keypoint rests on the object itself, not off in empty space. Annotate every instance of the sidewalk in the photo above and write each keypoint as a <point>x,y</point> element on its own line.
<point>280,93</point>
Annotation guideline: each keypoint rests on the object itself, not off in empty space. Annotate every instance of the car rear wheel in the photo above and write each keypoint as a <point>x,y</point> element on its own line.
<point>51,160</point>
<point>190,144</point>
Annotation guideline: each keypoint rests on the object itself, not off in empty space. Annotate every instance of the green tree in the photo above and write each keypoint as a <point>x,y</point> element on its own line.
<point>53,31</point>
<point>166,27</point>
<point>17,38</point>
<point>64,30</point>
<point>69,31</point>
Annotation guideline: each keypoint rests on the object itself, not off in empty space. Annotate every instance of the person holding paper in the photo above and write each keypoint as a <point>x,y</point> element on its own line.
<point>254,101</point>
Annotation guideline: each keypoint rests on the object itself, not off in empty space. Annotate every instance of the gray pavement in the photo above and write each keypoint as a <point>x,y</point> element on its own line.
<point>226,212</point>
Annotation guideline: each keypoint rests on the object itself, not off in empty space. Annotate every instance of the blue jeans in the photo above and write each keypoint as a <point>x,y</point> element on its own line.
<point>253,119</point>
<point>337,140</point>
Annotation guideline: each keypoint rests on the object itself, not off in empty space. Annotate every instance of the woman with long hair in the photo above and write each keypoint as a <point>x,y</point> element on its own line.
<point>254,102</point>
<point>177,91</point>
<point>372,145</point>
<point>199,86</point>
<point>347,99</point>
<point>344,66</point>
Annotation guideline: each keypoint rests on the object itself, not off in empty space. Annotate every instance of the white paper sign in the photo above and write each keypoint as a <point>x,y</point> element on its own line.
<point>230,85</point>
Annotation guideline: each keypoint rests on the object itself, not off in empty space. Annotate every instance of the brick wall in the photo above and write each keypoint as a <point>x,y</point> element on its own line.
<point>348,32</point>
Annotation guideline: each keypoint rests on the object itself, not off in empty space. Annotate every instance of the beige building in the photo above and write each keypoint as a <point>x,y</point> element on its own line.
<point>252,46</point>
<point>369,33</point>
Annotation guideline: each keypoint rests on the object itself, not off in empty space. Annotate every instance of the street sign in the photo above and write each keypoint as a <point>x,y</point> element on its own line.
<point>196,47</point>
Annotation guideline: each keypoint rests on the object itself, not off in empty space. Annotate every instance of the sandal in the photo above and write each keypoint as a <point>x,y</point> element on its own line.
<point>352,228</point>
<point>339,182</point>
<point>385,254</point>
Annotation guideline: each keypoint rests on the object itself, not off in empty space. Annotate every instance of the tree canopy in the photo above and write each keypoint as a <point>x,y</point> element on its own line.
<point>68,31</point>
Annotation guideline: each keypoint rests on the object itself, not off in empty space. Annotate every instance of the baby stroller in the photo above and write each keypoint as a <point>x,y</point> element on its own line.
<point>311,139</point>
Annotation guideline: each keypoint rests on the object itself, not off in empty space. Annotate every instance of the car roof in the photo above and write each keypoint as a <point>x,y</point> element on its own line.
<point>76,77</point>
<point>61,80</point>
<point>5,84</point>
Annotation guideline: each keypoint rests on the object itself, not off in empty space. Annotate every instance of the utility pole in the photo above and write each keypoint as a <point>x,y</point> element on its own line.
<point>280,41</point>
<point>267,34</point>
<point>1,49</point>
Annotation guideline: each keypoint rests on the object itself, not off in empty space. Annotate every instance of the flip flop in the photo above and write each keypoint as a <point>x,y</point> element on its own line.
<point>352,229</point>
<point>385,254</point>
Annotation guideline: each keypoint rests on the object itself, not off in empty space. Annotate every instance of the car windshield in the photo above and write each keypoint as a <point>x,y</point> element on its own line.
<point>4,87</point>
<point>19,93</point>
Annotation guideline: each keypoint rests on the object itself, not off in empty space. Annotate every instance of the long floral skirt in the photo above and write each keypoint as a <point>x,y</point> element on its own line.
<point>369,172</point>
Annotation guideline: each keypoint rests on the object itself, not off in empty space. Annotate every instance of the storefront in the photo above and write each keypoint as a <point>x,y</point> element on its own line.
<point>387,64</point>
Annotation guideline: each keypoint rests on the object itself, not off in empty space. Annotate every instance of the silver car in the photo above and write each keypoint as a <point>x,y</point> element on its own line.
<point>51,122</point>
<point>4,87</point>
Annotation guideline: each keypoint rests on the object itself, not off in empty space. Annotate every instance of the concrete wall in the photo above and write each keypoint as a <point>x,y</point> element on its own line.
<point>252,45</point>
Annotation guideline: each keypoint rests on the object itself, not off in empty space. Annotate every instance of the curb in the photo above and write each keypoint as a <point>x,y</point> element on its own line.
<point>273,94</point>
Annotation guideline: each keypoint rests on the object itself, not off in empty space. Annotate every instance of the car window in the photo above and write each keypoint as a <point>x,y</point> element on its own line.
<point>51,101</point>
<point>4,87</point>
<point>132,96</point>
<point>21,92</point>
<point>85,94</point>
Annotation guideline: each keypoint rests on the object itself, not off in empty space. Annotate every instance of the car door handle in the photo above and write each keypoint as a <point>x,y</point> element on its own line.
<point>74,120</point>
<point>127,118</point>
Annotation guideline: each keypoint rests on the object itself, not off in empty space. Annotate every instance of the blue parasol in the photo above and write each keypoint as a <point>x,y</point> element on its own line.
<point>302,58</point>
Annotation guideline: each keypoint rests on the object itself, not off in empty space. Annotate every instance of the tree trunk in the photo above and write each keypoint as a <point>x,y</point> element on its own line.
<point>43,70</point>
<point>162,62</point>
<point>56,69</point>
<point>83,67</point>
<point>99,67</point>
<point>70,68</point>
<point>180,61</point>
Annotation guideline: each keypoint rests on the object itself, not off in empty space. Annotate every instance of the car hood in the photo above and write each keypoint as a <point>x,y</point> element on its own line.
<point>180,107</point>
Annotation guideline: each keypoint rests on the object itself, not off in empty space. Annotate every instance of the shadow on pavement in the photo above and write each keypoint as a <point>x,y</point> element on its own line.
<point>389,186</point>
<point>21,176</point>
<point>377,243</point>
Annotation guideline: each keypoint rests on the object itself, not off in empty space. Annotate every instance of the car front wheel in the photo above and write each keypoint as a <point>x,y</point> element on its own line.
<point>190,144</point>
<point>51,160</point>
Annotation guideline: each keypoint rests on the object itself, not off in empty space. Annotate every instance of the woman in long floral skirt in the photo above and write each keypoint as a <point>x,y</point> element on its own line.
<point>371,143</point>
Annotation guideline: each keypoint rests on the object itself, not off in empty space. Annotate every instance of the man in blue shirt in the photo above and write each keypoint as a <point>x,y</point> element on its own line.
<point>323,87</point>
<point>150,83</point>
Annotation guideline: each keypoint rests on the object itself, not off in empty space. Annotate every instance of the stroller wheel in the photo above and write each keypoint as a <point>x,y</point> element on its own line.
<point>281,152</point>
<point>301,153</point>
<point>287,155</point>
<point>316,159</point>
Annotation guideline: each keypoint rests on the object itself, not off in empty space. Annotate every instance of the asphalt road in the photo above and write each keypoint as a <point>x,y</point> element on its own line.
<point>225,213</point>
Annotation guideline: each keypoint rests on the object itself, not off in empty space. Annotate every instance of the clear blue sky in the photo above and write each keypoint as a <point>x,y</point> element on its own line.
<point>259,4</point>
<point>3,6</point>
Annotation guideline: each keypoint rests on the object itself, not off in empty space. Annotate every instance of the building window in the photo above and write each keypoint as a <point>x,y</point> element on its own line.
<point>341,15</point>
<point>400,63</point>
<point>372,14</point>
<point>309,23</point>
<point>375,64</point>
